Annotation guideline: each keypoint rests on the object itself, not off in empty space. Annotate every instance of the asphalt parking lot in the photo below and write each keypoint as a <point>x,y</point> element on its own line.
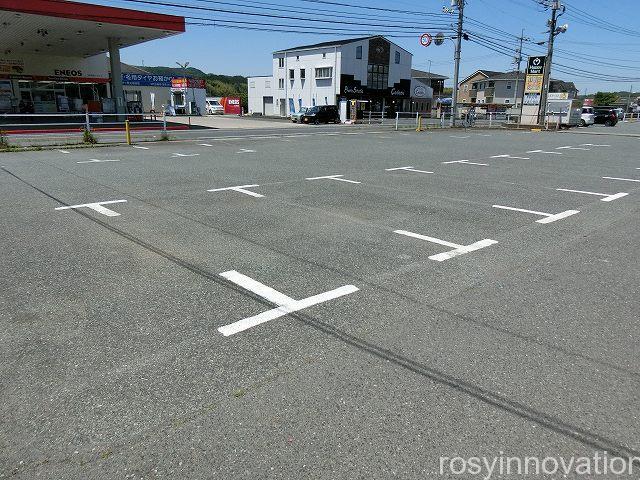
<point>322,304</point>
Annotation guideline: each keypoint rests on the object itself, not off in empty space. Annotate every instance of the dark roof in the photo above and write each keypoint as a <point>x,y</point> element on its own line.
<point>506,76</point>
<point>334,43</point>
<point>561,86</point>
<point>486,73</point>
<point>422,74</point>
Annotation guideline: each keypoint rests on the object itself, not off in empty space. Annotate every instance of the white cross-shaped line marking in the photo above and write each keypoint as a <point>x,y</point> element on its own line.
<point>96,206</point>
<point>333,177</point>
<point>240,189</point>
<point>286,304</point>
<point>408,169</point>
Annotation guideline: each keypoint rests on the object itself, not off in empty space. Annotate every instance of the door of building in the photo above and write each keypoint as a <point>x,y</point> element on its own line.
<point>267,105</point>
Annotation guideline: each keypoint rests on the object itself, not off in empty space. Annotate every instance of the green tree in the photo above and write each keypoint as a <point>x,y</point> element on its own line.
<point>605,98</point>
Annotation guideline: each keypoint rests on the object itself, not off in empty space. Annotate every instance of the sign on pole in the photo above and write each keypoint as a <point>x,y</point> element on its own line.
<point>425,39</point>
<point>533,86</point>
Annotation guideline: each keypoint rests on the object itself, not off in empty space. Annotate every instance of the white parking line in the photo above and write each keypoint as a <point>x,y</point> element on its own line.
<point>465,162</point>
<point>63,151</point>
<point>572,148</point>
<point>623,179</point>
<point>286,304</point>
<point>542,151</point>
<point>139,147</point>
<point>95,160</point>
<point>607,197</point>
<point>460,136</point>
<point>186,154</point>
<point>457,249</point>
<point>333,177</point>
<point>510,156</point>
<point>408,169</point>
<point>96,206</point>
<point>240,189</point>
<point>593,145</point>
<point>549,217</point>
<point>246,150</point>
<point>205,145</point>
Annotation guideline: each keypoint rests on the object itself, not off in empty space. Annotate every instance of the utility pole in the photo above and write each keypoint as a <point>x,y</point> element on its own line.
<point>456,72</point>
<point>629,100</point>
<point>546,80</point>
<point>518,61</point>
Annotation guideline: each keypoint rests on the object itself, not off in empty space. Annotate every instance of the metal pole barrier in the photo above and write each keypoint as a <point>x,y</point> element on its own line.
<point>382,118</point>
<point>417,117</point>
<point>86,121</point>
<point>419,127</point>
<point>490,119</point>
<point>369,117</point>
<point>164,122</point>
<point>127,130</point>
<point>397,118</point>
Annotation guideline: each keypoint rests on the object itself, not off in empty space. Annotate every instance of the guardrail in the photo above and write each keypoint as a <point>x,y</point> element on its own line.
<point>35,129</point>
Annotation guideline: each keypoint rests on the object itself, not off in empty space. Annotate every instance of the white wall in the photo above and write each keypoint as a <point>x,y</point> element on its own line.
<point>323,91</point>
<point>260,87</point>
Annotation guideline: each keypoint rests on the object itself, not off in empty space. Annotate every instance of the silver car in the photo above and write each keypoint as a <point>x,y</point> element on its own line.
<point>295,117</point>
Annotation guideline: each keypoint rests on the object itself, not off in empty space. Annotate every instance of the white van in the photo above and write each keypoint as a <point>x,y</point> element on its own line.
<point>214,107</point>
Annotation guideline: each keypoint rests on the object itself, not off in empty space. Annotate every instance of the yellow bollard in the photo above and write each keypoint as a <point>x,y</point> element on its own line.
<point>419,129</point>
<point>127,130</point>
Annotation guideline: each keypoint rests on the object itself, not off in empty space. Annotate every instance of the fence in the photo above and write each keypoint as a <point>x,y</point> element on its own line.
<point>72,128</point>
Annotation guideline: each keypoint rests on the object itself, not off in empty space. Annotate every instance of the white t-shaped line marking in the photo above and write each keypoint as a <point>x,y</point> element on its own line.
<point>549,217</point>
<point>408,169</point>
<point>466,162</point>
<point>96,206</point>
<point>240,189</point>
<point>510,156</point>
<point>333,177</point>
<point>542,151</point>
<point>607,197</point>
<point>286,305</point>
<point>457,249</point>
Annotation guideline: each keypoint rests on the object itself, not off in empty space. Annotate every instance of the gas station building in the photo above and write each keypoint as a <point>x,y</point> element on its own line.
<point>53,54</point>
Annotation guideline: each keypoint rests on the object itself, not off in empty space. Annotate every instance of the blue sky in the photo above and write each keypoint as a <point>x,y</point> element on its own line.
<point>247,51</point>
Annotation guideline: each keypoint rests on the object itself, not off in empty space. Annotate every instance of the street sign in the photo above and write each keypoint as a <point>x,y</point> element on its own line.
<point>425,39</point>
<point>535,65</point>
<point>439,39</point>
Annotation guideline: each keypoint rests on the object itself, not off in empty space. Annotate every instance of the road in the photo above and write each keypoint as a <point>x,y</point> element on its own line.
<point>360,304</point>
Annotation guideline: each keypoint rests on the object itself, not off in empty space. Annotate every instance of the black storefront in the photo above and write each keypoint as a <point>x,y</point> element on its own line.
<point>376,93</point>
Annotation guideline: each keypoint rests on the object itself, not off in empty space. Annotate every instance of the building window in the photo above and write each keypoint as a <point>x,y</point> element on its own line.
<point>252,84</point>
<point>509,86</point>
<point>303,74</point>
<point>297,58</point>
<point>292,74</point>
<point>397,57</point>
<point>280,62</point>
<point>378,77</point>
<point>474,86</point>
<point>324,72</point>
<point>506,100</point>
<point>359,52</point>
<point>267,84</point>
<point>281,83</point>
<point>491,84</point>
<point>324,55</point>
<point>466,87</point>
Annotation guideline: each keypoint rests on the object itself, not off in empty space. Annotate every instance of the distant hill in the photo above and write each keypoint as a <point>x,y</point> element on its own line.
<point>217,85</point>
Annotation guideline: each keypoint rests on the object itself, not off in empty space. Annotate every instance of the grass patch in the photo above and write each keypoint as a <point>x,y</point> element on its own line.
<point>4,141</point>
<point>88,137</point>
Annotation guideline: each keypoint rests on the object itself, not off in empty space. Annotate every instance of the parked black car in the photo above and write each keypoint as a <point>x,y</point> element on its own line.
<point>606,116</point>
<point>321,114</point>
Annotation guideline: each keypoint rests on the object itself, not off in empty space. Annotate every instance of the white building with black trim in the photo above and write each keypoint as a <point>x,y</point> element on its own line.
<point>371,69</point>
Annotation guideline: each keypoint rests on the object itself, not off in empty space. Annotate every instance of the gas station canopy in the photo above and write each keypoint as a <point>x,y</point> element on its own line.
<point>65,28</point>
